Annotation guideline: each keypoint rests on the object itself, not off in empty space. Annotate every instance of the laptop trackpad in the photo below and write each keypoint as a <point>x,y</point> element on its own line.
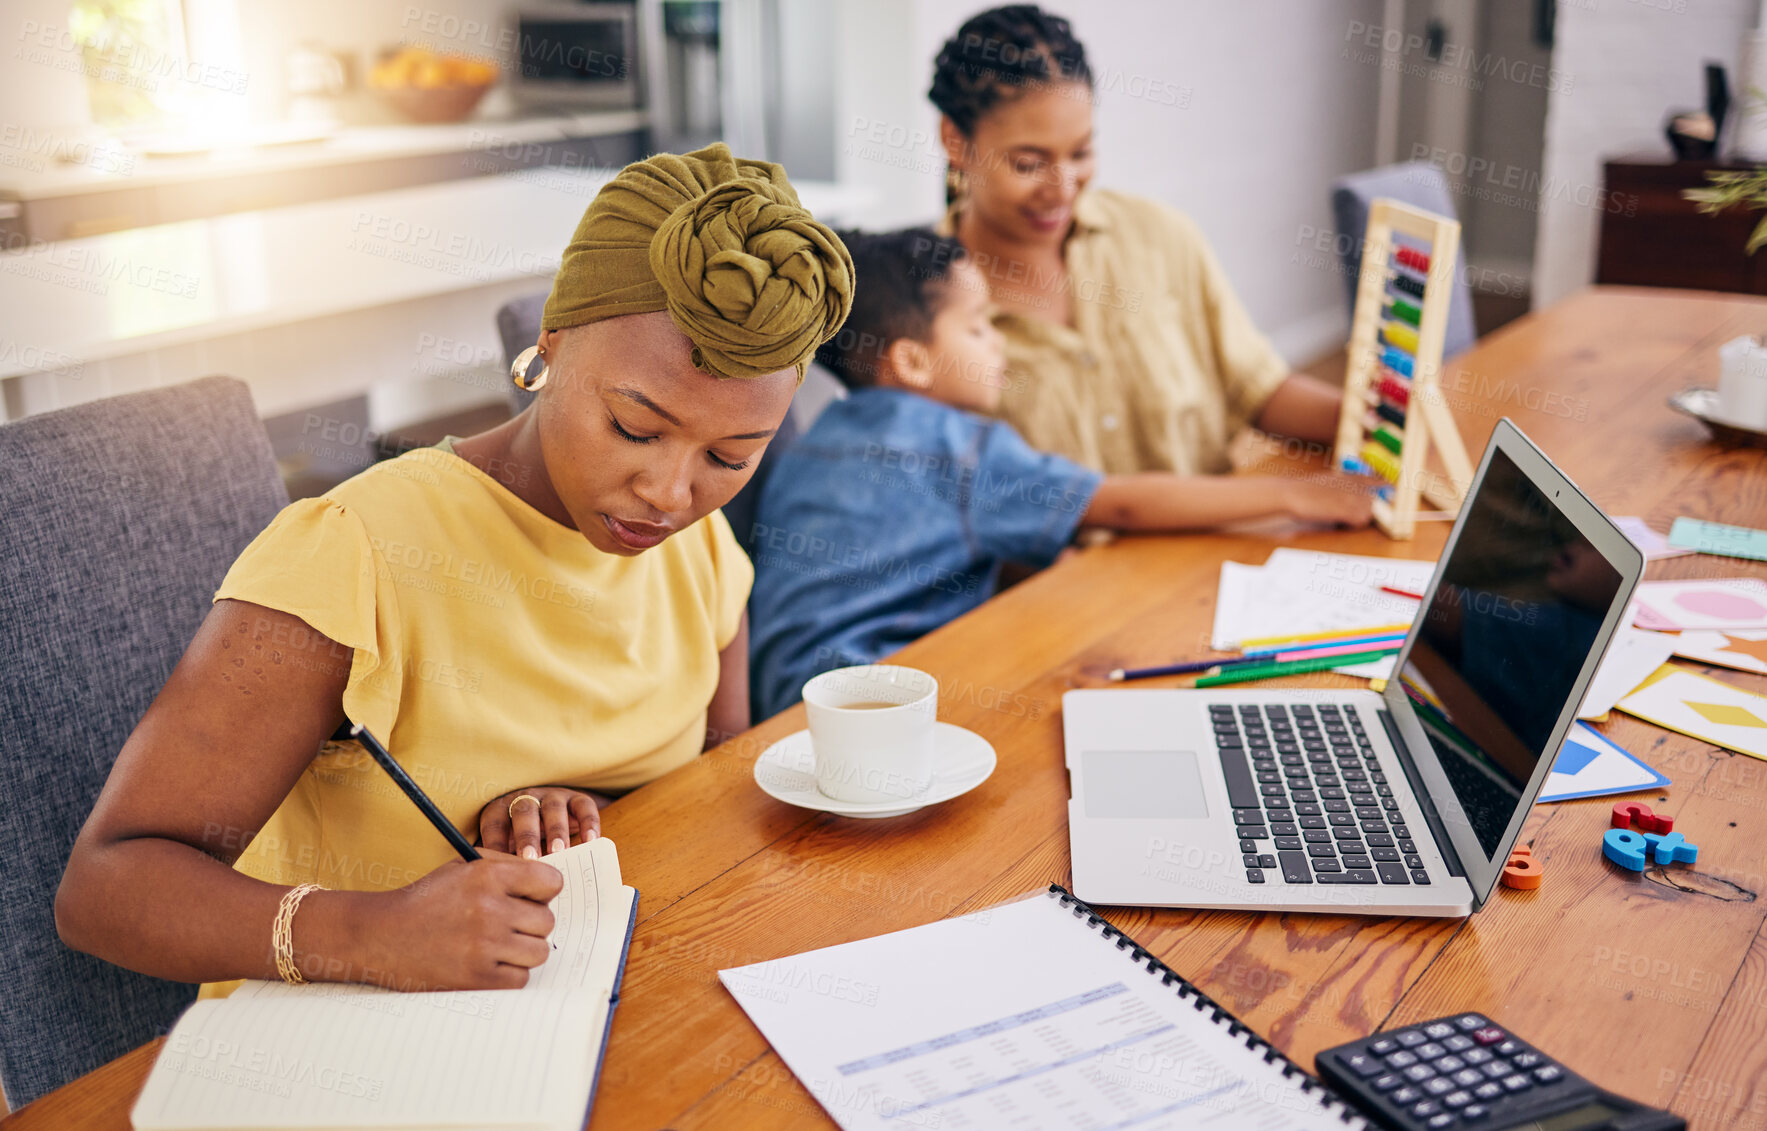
<point>1143,783</point>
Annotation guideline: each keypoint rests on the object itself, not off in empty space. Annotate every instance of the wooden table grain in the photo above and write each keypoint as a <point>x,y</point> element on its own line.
<point>1654,985</point>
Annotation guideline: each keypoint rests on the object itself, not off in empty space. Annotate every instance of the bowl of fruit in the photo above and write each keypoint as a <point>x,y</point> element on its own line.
<point>430,87</point>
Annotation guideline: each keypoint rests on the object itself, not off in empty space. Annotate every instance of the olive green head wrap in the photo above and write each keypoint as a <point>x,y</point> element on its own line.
<point>723,245</point>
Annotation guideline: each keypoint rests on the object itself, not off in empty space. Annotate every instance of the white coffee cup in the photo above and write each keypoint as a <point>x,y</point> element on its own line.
<point>871,729</point>
<point>1742,383</point>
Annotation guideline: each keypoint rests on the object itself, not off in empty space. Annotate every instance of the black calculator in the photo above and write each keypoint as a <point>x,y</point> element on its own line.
<point>1467,1072</point>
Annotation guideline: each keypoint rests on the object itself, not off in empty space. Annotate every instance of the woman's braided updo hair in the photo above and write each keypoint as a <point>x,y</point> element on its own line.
<point>999,53</point>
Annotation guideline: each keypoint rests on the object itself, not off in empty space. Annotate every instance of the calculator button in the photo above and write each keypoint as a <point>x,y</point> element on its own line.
<point>1498,1069</point>
<point>1436,1030</point>
<point>1404,1058</point>
<point>1551,1074</point>
<point>1386,1082</point>
<point>1457,1099</point>
<point>1381,1046</point>
<point>1470,1021</point>
<point>1361,1064</point>
<point>1489,1090</point>
<point>1468,1077</point>
<point>1439,1086</point>
<point>1410,1038</point>
<point>1426,1108</point>
<point>1526,1059</point>
<point>1418,1073</point>
<point>1408,1094</point>
<point>1476,1056</point>
<point>1457,1043</point>
<point>1430,1050</point>
<point>1509,1048</point>
<point>1516,1083</point>
<point>1475,1112</point>
<point>1450,1063</point>
<point>1445,1119</point>
<point>1489,1035</point>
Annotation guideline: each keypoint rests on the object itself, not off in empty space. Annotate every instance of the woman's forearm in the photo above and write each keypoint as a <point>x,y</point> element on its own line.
<point>166,909</point>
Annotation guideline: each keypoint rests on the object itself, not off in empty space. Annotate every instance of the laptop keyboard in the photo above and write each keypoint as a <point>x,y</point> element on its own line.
<point>1308,781</point>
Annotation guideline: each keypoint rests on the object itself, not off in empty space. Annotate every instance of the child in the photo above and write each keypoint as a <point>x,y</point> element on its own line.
<point>894,513</point>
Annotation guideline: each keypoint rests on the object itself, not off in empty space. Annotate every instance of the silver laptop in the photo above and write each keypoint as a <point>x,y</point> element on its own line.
<point>1405,801</point>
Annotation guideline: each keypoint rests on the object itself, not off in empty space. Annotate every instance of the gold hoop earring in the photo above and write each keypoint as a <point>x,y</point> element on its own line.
<point>518,370</point>
<point>956,184</point>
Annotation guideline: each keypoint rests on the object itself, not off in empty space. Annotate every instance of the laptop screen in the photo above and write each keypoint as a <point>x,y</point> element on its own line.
<point>1520,602</point>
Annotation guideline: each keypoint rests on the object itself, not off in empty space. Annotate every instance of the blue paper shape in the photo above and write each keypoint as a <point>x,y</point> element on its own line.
<point>1574,756</point>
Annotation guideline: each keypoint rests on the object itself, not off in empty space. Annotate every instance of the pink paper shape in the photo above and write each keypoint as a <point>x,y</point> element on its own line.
<point>1720,603</point>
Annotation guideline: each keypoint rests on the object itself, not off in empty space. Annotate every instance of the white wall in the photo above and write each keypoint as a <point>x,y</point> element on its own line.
<point>1631,62</point>
<point>1238,113</point>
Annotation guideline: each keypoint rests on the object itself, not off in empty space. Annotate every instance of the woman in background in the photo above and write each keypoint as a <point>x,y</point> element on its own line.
<point>1127,348</point>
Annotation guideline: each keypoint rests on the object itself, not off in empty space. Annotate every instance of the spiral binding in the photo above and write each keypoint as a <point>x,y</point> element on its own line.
<point>1217,1013</point>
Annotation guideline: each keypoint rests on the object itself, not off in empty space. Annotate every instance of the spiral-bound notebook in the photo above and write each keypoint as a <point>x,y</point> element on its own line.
<point>1032,1014</point>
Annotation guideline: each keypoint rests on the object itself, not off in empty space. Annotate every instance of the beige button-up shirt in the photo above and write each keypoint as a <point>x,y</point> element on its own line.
<point>1162,365</point>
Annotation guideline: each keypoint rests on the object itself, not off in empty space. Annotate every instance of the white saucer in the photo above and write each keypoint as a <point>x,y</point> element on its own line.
<point>786,771</point>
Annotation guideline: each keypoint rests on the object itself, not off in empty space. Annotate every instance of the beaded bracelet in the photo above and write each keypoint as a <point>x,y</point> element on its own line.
<point>282,934</point>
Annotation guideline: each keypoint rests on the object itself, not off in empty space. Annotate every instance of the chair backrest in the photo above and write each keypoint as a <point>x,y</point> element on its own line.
<point>118,519</point>
<point>1417,183</point>
<point>518,326</point>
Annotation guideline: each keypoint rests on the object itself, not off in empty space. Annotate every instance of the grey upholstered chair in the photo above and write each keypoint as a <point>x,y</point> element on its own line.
<point>1421,185</point>
<point>518,325</point>
<point>118,520</point>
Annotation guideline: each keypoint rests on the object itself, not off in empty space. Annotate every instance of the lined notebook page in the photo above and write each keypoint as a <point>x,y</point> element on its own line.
<point>589,929</point>
<point>387,1060</point>
<point>1020,1016</point>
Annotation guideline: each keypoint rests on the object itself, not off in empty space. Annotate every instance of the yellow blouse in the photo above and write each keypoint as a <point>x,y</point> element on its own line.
<point>1162,365</point>
<point>490,648</point>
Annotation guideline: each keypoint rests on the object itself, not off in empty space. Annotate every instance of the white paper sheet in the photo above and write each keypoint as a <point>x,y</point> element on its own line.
<point>1019,1016</point>
<point>1630,659</point>
<point>1304,591</point>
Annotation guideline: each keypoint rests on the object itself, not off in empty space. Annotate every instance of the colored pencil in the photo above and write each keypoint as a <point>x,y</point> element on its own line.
<point>1340,650</point>
<point>1334,634</point>
<point>1367,641</point>
<point>414,792</point>
<point>1246,672</point>
<point>1401,592</point>
<point>1188,667</point>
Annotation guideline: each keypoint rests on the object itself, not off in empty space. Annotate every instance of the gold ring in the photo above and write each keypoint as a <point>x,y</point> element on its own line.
<point>522,797</point>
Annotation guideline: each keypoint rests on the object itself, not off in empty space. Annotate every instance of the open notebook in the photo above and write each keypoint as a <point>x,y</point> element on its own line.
<point>335,1056</point>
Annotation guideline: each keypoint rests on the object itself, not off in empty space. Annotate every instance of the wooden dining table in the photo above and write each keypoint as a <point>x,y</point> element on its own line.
<point>1652,984</point>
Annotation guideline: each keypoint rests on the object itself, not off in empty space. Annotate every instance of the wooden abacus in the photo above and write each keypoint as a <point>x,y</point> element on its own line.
<point>1393,407</point>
